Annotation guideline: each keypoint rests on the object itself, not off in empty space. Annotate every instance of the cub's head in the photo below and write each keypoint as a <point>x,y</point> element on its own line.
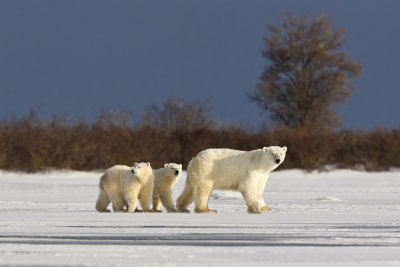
<point>173,169</point>
<point>141,169</point>
<point>275,155</point>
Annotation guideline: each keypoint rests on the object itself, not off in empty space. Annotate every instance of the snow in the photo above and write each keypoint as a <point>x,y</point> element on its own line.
<point>336,218</point>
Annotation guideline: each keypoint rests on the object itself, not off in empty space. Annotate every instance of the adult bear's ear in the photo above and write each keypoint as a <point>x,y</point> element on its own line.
<point>148,164</point>
<point>284,149</point>
<point>265,149</point>
<point>166,165</point>
<point>180,166</point>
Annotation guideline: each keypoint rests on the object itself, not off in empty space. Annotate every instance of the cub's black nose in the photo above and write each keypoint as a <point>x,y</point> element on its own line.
<point>176,172</point>
<point>277,161</point>
<point>132,171</point>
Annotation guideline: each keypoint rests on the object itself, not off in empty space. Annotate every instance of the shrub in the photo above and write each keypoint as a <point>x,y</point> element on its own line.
<point>32,144</point>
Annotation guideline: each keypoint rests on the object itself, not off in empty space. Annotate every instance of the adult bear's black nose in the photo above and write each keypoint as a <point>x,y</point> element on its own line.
<point>176,172</point>
<point>277,161</point>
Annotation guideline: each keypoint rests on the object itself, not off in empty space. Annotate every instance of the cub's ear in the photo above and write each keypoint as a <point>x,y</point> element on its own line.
<point>180,166</point>
<point>265,149</point>
<point>166,165</point>
<point>148,164</point>
<point>284,149</point>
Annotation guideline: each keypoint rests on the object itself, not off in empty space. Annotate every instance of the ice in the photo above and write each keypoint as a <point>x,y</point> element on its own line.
<point>327,199</point>
<point>336,218</point>
<point>218,194</point>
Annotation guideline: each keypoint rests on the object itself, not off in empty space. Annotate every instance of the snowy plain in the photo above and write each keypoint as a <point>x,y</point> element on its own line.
<point>337,218</point>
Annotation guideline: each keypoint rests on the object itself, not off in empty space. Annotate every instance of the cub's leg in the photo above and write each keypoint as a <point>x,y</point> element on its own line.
<point>156,201</point>
<point>166,198</point>
<point>131,197</point>
<point>102,201</point>
<point>117,201</point>
<point>145,197</point>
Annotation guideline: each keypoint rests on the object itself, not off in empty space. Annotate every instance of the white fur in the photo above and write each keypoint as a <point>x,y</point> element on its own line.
<point>228,169</point>
<point>122,184</point>
<point>164,179</point>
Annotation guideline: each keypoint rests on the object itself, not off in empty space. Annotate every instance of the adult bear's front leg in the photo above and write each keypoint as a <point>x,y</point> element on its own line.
<point>255,202</point>
<point>265,208</point>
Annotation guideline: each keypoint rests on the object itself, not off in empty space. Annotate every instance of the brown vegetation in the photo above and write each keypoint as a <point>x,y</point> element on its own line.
<point>30,144</point>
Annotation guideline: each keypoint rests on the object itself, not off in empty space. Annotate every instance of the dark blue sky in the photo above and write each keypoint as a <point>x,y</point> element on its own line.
<point>74,57</point>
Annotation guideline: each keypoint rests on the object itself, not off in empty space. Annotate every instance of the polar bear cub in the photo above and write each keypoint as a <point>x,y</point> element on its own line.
<point>164,179</point>
<point>122,184</point>
<point>228,169</point>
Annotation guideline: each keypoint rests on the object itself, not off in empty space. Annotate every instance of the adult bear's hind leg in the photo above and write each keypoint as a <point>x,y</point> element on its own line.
<point>185,198</point>
<point>202,195</point>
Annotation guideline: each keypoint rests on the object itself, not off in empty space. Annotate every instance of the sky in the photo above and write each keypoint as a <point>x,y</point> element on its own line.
<point>75,57</point>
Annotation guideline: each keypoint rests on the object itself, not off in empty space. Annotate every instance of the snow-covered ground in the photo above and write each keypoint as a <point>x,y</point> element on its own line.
<point>338,218</point>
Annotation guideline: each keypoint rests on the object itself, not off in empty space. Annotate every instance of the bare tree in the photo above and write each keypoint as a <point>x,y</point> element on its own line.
<point>177,114</point>
<point>308,73</point>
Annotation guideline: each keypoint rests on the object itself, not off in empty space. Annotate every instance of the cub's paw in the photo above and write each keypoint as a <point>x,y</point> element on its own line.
<point>183,211</point>
<point>170,210</point>
<point>104,211</point>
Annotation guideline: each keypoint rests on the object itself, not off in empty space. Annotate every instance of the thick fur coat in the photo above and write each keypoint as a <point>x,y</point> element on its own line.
<point>126,186</point>
<point>164,179</point>
<point>228,169</point>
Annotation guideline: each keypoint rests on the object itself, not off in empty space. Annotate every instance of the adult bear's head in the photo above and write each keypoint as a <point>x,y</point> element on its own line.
<point>274,156</point>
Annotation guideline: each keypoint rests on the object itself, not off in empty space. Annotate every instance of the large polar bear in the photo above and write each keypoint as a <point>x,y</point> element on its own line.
<point>122,184</point>
<point>164,179</point>
<point>228,169</point>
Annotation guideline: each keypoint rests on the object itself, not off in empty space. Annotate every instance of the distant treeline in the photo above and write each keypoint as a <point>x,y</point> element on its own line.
<point>32,144</point>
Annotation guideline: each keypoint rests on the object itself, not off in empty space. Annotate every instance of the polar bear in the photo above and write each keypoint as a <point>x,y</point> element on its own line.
<point>122,184</point>
<point>164,179</point>
<point>228,169</point>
